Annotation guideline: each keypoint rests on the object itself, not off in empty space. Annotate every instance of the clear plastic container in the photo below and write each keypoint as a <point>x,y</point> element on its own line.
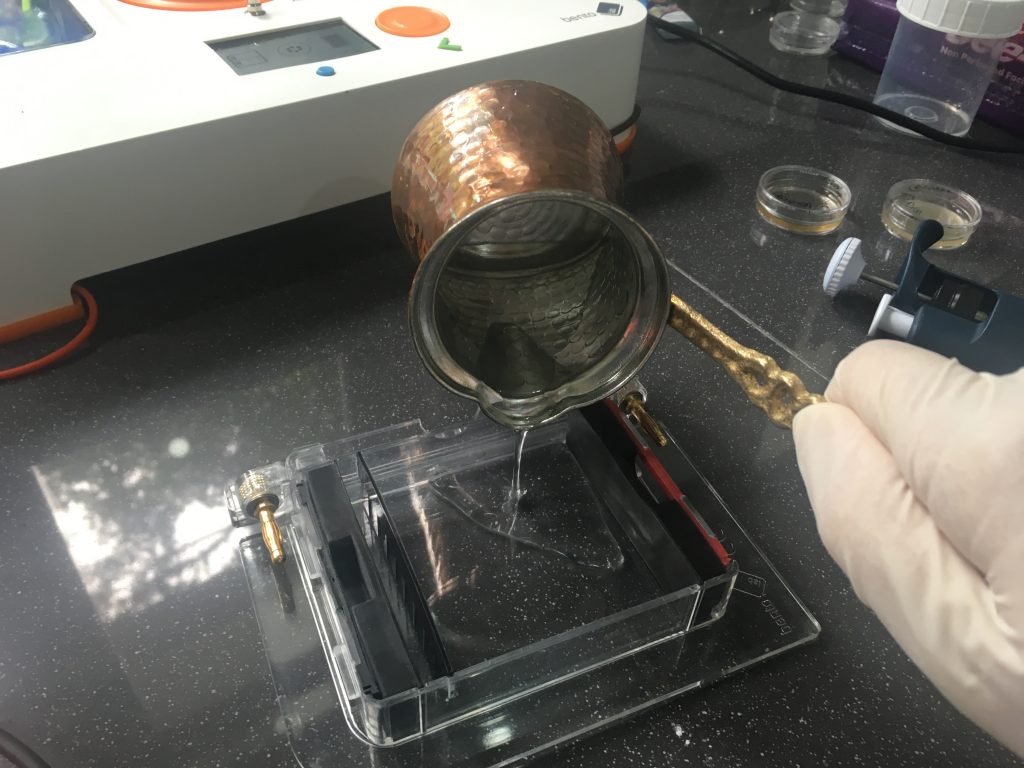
<point>943,58</point>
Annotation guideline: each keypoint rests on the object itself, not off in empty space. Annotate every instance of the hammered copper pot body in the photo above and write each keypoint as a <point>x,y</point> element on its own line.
<point>536,292</point>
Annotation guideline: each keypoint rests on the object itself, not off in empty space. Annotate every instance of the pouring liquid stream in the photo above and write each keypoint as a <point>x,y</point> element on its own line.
<point>511,505</point>
<point>558,523</point>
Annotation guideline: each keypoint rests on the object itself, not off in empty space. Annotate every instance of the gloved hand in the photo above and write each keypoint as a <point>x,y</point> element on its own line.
<point>915,470</point>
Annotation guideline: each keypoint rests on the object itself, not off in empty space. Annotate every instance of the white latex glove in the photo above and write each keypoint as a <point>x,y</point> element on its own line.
<point>915,470</point>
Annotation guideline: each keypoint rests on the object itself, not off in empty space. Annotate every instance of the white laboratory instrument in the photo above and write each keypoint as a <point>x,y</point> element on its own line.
<point>164,128</point>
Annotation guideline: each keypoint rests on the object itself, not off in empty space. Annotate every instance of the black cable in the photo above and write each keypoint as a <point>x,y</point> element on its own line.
<point>824,94</point>
<point>18,752</point>
<point>629,122</point>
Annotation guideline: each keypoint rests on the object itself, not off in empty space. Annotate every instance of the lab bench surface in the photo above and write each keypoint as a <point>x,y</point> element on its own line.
<point>126,631</point>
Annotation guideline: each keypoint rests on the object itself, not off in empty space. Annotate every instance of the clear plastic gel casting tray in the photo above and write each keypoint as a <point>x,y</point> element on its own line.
<point>422,618</point>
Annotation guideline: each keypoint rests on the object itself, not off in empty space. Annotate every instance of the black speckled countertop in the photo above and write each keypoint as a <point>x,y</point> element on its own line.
<point>126,632</point>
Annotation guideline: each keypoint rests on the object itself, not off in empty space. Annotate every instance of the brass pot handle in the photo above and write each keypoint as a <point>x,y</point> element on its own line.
<point>781,394</point>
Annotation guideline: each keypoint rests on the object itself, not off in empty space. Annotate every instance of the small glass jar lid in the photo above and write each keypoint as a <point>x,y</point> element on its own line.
<point>803,200</point>
<point>912,201</point>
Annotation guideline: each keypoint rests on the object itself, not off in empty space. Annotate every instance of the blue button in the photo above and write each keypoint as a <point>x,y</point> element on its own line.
<point>325,71</point>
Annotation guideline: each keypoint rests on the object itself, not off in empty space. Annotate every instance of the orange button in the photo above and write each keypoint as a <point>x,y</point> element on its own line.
<point>412,21</point>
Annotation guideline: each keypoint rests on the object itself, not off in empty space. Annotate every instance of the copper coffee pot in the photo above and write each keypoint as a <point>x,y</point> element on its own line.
<point>536,292</point>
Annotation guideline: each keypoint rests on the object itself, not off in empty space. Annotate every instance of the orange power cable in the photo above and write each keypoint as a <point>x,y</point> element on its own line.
<point>30,326</point>
<point>91,316</point>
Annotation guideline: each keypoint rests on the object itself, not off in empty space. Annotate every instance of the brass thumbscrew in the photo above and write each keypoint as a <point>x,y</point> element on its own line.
<point>633,405</point>
<point>261,503</point>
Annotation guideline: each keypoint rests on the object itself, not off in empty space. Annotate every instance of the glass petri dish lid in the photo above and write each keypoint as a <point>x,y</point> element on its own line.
<point>911,201</point>
<point>808,34</point>
<point>803,200</point>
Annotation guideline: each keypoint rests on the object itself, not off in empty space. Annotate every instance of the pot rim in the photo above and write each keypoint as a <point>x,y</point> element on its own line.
<point>650,316</point>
